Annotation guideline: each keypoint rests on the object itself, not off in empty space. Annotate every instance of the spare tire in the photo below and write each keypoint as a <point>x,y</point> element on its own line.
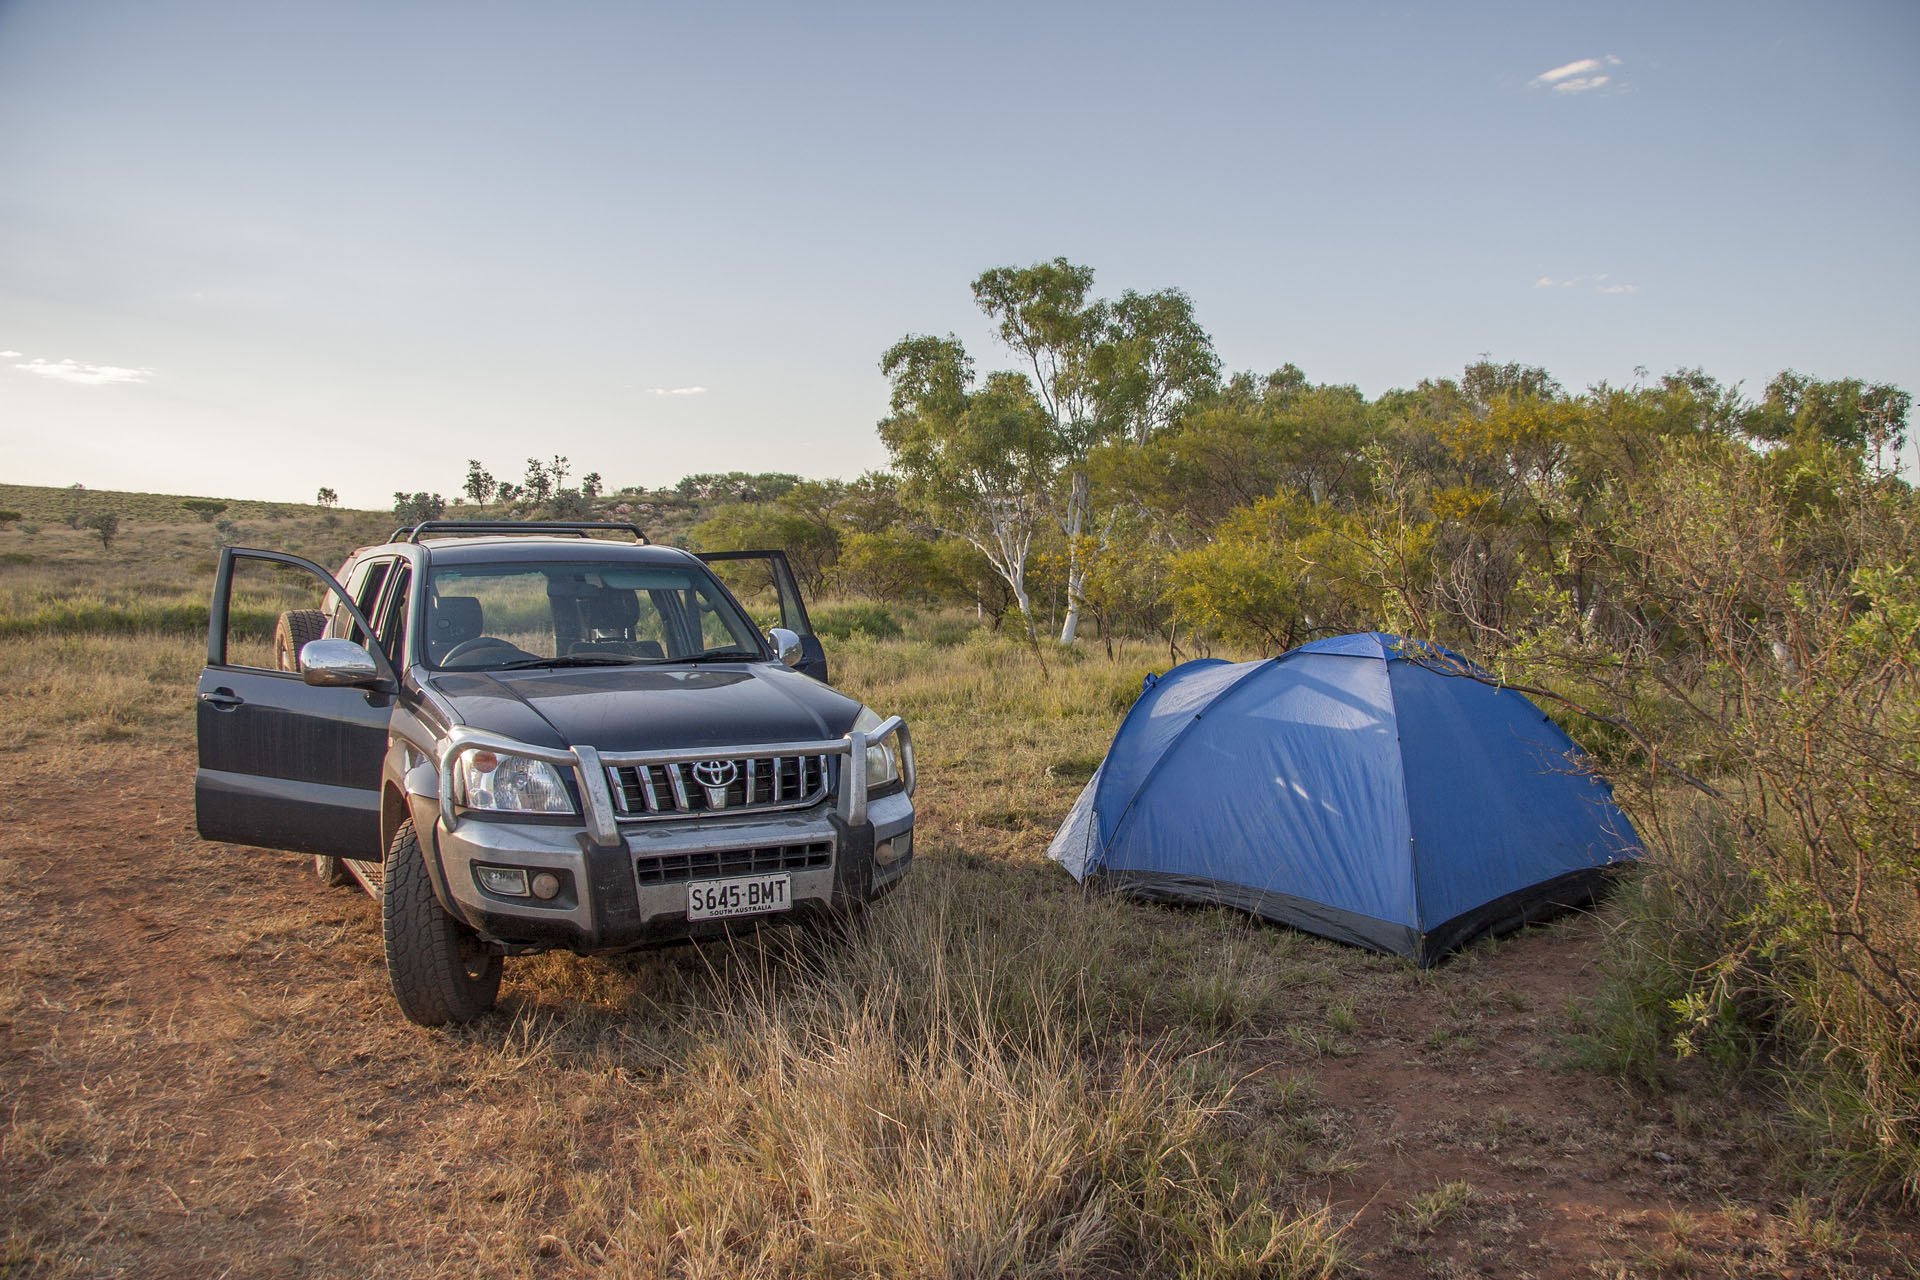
<point>295,628</point>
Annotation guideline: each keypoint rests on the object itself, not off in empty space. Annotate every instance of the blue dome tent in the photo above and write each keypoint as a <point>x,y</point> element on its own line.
<point>1365,788</point>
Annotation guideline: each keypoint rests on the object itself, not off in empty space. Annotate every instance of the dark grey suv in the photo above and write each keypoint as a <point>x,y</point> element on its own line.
<point>522,737</point>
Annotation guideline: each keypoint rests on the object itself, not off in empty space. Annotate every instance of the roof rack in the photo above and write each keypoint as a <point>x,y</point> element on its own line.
<point>578,528</point>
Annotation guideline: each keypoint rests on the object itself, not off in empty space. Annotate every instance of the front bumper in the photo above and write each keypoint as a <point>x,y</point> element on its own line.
<point>633,892</point>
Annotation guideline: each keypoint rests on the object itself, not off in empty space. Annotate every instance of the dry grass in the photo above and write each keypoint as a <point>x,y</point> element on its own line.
<point>157,576</point>
<point>995,1076</point>
<point>920,1101</point>
<point>926,1097</point>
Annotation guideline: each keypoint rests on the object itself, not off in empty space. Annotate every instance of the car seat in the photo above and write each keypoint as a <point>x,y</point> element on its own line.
<point>452,621</point>
<point>612,617</point>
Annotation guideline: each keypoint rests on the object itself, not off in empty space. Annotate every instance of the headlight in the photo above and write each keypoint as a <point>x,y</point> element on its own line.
<point>883,766</point>
<point>510,784</point>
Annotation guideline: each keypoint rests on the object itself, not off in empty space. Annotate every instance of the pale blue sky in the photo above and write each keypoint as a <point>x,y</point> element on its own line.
<point>250,248</point>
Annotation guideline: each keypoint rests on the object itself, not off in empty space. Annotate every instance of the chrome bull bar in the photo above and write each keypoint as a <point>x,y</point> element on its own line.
<point>589,768</point>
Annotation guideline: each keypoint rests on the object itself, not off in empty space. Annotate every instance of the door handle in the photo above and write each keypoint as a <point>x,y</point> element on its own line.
<point>223,699</point>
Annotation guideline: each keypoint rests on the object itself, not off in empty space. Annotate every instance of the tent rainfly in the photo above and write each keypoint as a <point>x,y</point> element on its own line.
<point>1365,788</point>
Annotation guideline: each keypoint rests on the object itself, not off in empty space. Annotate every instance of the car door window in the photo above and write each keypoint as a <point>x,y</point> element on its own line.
<point>363,585</point>
<point>267,601</point>
<point>392,622</point>
<point>367,594</point>
<point>763,581</point>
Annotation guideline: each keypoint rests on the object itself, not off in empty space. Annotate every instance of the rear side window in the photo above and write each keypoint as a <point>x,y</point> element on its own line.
<point>392,622</point>
<point>363,584</point>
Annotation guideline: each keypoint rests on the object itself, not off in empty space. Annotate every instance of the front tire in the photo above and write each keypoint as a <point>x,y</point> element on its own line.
<point>440,970</point>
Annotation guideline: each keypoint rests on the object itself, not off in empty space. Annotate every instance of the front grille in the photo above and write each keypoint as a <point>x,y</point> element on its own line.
<point>715,864</point>
<point>763,782</point>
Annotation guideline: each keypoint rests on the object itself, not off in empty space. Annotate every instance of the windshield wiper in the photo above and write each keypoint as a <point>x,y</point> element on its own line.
<point>572,660</point>
<point>719,655</point>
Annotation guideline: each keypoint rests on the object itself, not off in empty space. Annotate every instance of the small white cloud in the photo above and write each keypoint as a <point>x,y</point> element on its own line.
<point>9,355</point>
<point>676,391</point>
<point>1579,68</point>
<point>1596,283</point>
<point>1577,77</point>
<point>89,375</point>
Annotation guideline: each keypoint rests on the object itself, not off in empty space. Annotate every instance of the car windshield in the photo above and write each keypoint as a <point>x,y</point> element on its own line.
<point>499,616</point>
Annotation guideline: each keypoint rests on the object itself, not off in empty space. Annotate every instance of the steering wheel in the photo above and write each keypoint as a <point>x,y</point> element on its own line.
<point>475,645</point>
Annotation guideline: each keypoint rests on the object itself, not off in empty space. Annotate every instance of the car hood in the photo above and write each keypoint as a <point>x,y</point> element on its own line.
<point>645,708</point>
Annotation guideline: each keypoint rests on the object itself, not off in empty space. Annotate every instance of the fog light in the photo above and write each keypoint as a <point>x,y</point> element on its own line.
<point>510,882</point>
<point>546,885</point>
<point>888,852</point>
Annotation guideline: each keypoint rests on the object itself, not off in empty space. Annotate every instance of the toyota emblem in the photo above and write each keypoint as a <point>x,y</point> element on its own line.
<point>715,774</point>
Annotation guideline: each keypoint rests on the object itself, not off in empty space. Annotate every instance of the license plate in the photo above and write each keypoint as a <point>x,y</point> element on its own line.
<point>745,896</point>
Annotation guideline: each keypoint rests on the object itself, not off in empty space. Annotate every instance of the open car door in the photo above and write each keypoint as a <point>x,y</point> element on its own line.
<point>763,581</point>
<point>284,764</point>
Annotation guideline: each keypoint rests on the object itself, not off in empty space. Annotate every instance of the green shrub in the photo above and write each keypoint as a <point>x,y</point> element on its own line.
<point>104,523</point>
<point>1677,913</point>
<point>843,621</point>
<point>1775,690</point>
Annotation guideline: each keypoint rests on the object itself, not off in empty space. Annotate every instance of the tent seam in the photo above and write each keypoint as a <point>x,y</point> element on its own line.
<point>1140,788</point>
<point>1406,802</point>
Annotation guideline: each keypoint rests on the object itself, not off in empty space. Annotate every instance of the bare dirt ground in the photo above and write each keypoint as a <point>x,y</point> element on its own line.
<point>203,1076</point>
<point>1475,1151</point>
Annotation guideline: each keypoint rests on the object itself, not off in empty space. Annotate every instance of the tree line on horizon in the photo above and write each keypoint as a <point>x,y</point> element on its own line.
<point>1119,475</point>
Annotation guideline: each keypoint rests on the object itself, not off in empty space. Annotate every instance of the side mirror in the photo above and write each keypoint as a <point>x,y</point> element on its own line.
<point>337,662</point>
<point>786,644</point>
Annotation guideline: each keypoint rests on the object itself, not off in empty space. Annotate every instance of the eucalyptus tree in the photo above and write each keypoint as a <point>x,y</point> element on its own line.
<point>977,461</point>
<point>1103,372</point>
<point>1153,360</point>
<point>1868,418</point>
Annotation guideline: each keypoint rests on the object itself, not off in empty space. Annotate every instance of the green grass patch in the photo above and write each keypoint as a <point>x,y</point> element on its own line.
<point>134,619</point>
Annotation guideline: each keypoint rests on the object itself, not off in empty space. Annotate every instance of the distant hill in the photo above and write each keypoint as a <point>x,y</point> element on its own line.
<point>665,515</point>
<point>44,504</point>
